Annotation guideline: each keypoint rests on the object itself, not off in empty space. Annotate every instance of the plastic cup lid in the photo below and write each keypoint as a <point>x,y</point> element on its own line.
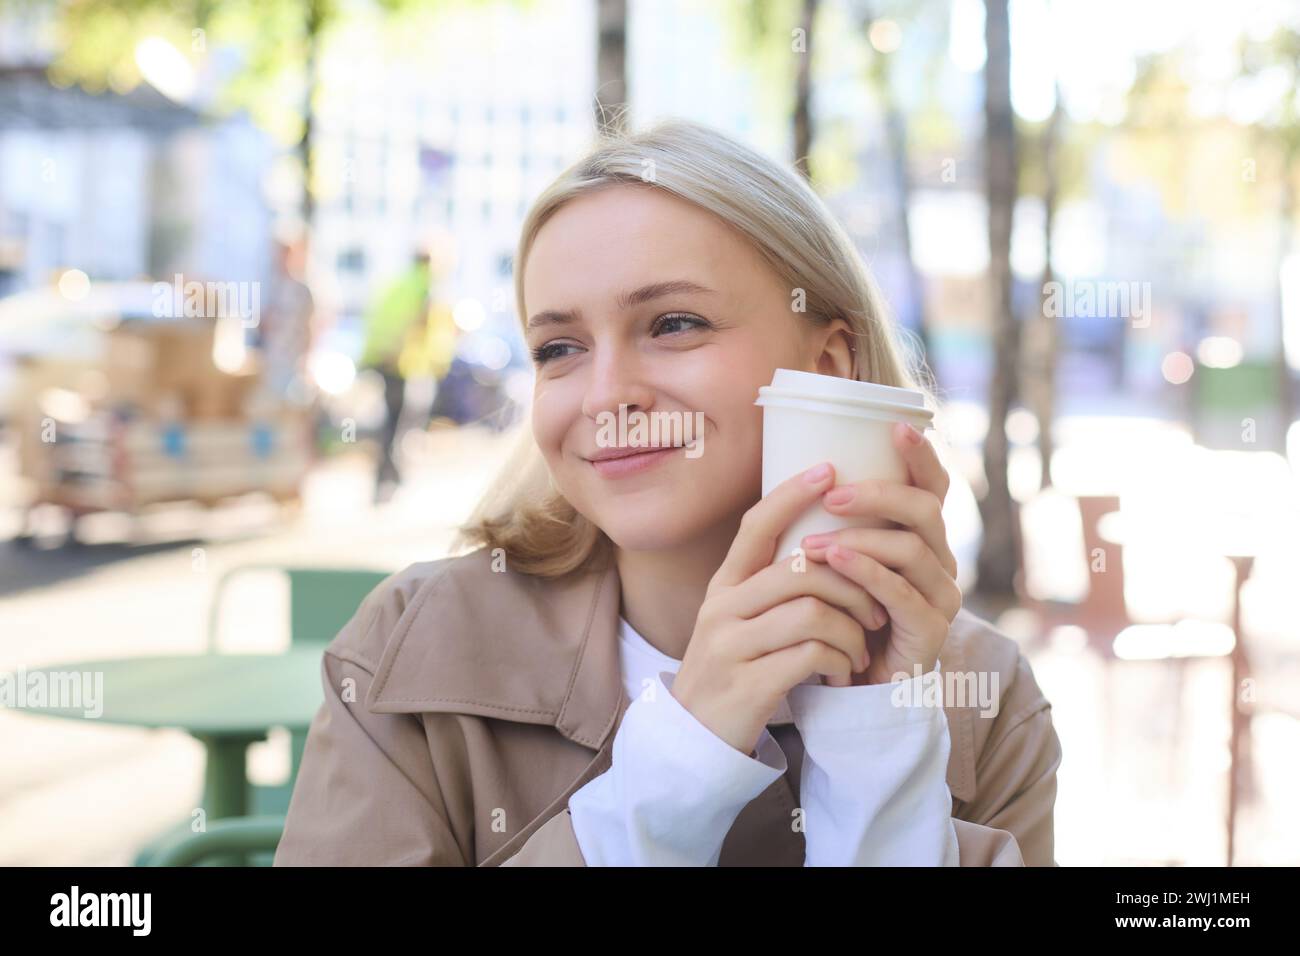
<point>792,386</point>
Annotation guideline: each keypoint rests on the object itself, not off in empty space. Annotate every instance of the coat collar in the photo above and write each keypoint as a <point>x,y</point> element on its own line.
<point>474,640</point>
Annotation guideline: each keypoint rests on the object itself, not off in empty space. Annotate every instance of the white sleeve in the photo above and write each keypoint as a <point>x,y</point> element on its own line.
<point>874,784</point>
<point>673,790</point>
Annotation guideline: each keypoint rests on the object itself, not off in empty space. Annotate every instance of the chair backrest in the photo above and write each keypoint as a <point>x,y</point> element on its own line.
<point>242,841</point>
<point>322,600</point>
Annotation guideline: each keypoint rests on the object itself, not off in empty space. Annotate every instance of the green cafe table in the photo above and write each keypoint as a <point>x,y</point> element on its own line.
<point>226,701</point>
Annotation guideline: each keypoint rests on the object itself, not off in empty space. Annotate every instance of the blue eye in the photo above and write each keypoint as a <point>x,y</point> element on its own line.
<point>681,317</point>
<point>544,353</point>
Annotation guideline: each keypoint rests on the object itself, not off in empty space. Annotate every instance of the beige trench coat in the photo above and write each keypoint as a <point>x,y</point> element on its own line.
<point>463,706</point>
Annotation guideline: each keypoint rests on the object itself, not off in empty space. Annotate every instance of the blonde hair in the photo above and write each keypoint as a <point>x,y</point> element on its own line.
<point>522,513</point>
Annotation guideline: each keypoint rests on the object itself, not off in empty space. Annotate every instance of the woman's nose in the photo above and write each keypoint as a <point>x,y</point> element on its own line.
<point>616,379</point>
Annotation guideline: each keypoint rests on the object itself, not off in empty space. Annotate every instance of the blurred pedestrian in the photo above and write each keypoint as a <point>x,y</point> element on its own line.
<point>398,317</point>
<point>284,332</point>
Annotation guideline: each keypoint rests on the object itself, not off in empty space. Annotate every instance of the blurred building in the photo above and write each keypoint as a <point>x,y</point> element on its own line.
<point>123,186</point>
<point>457,137</point>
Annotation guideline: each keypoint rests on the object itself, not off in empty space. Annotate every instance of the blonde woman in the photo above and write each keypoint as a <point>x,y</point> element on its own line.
<point>618,673</point>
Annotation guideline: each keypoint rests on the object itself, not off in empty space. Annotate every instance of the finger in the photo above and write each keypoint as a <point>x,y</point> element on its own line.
<point>776,673</point>
<point>909,612</point>
<point>800,620</point>
<point>903,551</point>
<point>909,506</point>
<point>761,526</point>
<point>923,465</point>
<point>781,582</point>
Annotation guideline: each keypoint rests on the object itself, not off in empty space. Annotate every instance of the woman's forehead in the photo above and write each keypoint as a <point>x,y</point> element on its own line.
<point>622,238</point>
<point>629,216</point>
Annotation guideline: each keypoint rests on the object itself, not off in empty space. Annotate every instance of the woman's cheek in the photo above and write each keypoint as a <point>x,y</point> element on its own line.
<point>548,425</point>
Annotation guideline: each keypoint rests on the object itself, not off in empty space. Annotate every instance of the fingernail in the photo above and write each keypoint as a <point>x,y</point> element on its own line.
<point>881,618</point>
<point>913,435</point>
<point>817,473</point>
<point>817,540</point>
<point>840,496</point>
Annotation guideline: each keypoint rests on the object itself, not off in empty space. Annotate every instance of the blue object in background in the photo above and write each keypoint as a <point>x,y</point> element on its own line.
<point>173,440</point>
<point>263,440</point>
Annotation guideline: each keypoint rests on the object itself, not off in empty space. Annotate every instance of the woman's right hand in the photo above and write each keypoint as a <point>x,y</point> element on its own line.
<point>765,627</point>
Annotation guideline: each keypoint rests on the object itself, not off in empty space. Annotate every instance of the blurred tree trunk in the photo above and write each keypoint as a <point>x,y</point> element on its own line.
<point>896,144</point>
<point>1041,381</point>
<point>896,138</point>
<point>803,129</point>
<point>1278,54</point>
<point>999,555</point>
<point>314,24</point>
<point>1285,386</point>
<point>611,65</point>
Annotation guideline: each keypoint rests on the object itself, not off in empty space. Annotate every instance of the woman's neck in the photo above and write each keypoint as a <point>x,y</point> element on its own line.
<point>662,590</point>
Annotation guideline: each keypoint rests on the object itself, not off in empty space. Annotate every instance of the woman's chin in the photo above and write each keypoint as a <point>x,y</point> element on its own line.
<point>650,532</point>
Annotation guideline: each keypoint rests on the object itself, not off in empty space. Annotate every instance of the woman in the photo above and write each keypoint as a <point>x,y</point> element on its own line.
<point>620,673</point>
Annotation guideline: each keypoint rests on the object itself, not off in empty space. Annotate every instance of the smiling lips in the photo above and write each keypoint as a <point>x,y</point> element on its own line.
<point>616,462</point>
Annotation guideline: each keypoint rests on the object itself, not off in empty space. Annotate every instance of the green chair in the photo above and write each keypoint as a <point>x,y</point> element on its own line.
<point>321,601</point>
<point>239,839</point>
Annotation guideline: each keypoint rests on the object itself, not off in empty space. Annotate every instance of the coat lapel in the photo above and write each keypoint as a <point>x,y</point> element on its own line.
<point>545,651</point>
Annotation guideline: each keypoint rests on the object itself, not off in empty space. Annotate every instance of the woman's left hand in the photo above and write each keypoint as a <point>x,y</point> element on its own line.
<point>909,570</point>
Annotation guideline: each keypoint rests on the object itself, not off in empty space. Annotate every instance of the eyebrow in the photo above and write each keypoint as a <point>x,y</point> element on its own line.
<point>647,293</point>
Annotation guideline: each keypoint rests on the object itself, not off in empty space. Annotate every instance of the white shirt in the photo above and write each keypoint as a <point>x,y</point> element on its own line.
<point>873,782</point>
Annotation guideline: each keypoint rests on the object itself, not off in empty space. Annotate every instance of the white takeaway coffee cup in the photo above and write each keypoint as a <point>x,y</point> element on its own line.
<point>810,418</point>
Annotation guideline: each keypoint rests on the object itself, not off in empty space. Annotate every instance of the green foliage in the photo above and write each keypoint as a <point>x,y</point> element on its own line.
<point>1279,55</point>
<point>97,40</point>
<point>274,39</point>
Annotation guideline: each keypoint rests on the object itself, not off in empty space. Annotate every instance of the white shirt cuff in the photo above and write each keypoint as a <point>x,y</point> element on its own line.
<point>673,790</point>
<point>821,707</point>
<point>724,762</point>
<point>874,779</point>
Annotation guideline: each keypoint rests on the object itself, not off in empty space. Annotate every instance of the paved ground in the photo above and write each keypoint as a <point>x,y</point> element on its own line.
<point>91,793</point>
<point>1143,780</point>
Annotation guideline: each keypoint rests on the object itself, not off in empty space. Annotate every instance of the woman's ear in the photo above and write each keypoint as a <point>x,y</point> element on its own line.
<point>835,355</point>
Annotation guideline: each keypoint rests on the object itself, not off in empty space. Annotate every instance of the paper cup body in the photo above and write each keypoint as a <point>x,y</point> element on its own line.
<point>809,419</point>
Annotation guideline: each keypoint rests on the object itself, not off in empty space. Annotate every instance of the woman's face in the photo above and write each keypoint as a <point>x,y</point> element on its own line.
<point>635,297</point>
